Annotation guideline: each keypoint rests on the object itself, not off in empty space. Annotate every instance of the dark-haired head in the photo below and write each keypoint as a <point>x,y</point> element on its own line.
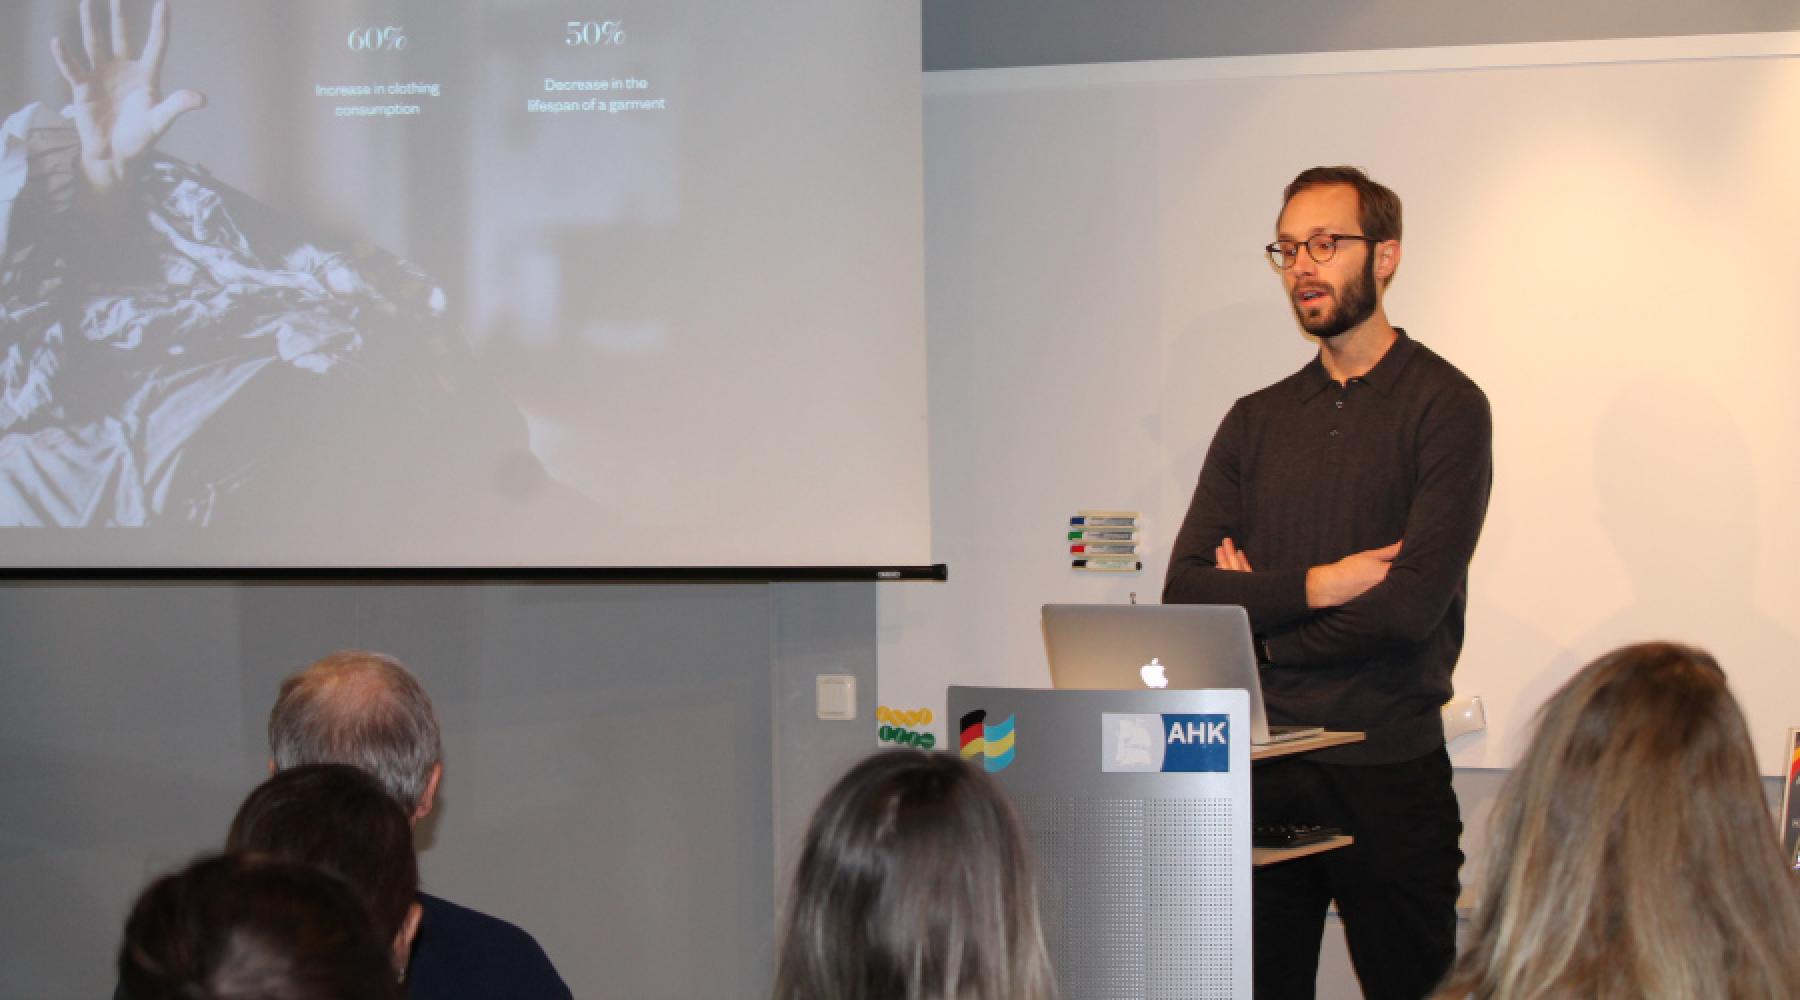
<point>244,927</point>
<point>915,882</point>
<point>1378,207</point>
<point>1633,854</point>
<point>340,819</point>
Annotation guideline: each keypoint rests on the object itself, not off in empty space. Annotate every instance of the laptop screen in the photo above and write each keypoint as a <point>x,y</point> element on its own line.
<point>1131,647</point>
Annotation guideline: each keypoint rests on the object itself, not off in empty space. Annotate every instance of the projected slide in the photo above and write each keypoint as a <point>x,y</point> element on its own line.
<point>460,283</point>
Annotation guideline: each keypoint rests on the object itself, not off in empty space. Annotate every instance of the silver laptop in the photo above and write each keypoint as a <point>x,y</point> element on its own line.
<point>1122,647</point>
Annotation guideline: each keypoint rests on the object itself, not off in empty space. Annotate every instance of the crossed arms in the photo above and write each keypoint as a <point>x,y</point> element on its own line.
<point>1361,602</point>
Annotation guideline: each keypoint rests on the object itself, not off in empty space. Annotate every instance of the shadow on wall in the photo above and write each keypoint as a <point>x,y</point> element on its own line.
<point>1677,486</point>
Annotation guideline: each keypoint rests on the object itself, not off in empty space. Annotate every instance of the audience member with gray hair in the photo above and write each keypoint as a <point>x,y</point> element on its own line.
<point>366,709</point>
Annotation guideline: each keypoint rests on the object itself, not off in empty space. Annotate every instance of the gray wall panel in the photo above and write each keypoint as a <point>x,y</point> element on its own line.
<point>819,629</point>
<point>980,34</point>
<point>610,775</point>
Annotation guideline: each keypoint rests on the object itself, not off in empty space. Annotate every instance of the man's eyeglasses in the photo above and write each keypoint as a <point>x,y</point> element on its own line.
<point>1321,248</point>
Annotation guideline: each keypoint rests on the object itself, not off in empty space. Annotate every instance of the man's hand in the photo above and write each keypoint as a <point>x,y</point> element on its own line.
<point>1349,578</point>
<point>1227,556</point>
<point>119,108</point>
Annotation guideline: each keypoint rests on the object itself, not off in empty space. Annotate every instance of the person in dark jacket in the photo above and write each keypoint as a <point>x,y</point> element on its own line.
<point>366,709</point>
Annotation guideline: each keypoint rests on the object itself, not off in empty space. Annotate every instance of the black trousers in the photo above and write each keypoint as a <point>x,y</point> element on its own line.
<point>1395,888</point>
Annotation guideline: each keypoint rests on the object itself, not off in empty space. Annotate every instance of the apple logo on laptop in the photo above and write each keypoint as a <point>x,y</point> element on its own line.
<point>1153,675</point>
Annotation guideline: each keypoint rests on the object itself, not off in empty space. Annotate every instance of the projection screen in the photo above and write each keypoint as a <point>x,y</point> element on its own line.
<point>461,283</point>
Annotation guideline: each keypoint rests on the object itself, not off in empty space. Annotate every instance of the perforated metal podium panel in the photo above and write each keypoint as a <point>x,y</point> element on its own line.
<point>1138,809</point>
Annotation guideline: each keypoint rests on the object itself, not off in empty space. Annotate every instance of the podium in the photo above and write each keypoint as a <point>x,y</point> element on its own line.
<point>1137,804</point>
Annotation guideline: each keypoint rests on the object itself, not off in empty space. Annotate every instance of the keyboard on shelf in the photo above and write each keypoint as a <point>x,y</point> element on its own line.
<point>1291,835</point>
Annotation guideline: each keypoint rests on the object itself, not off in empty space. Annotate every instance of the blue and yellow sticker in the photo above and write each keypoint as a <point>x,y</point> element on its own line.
<point>990,742</point>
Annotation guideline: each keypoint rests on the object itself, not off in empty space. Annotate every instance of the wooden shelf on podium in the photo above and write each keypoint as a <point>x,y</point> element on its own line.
<point>1260,856</point>
<point>1319,742</point>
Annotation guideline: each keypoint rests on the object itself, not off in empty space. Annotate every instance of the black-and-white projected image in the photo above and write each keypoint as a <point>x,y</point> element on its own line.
<point>486,283</point>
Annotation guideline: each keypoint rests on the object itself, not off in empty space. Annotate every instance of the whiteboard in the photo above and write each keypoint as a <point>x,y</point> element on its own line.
<point>1599,243</point>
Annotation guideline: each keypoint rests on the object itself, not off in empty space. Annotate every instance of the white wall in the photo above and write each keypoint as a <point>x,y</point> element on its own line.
<point>1594,233</point>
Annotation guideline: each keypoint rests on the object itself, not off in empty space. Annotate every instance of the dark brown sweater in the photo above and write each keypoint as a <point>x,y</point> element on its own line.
<point>1308,471</point>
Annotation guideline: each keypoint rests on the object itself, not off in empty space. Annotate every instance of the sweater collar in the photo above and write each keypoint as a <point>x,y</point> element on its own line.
<point>1382,378</point>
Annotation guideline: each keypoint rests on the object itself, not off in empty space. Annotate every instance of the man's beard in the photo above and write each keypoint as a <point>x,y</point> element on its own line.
<point>1355,303</point>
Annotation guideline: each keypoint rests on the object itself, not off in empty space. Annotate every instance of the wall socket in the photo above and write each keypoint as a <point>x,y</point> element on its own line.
<point>837,697</point>
<point>1463,716</point>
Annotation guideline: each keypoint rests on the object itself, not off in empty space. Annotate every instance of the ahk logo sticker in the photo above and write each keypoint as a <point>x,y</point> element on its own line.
<point>994,744</point>
<point>1149,743</point>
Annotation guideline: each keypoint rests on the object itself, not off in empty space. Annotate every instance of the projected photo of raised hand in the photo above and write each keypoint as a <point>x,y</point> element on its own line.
<point>181,354</point>
<point>480,283</point>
